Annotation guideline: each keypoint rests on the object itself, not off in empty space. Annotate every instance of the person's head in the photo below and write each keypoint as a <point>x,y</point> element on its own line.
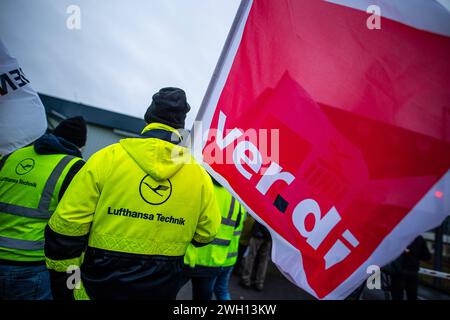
<point>169,106</point>
<point>73,130</point>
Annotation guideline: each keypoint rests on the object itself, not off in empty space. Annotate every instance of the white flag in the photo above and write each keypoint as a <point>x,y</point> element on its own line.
<point>22,114</point>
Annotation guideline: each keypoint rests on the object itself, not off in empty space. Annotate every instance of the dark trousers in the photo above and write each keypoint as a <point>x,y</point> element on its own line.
<point>257,249</point>
<point>221,284</point>
<point>237,269</point>
<point>202,288</point>
<point>203,280</point>
<point>109,275</point>
<point>24,283</point>
<point>401,282</point>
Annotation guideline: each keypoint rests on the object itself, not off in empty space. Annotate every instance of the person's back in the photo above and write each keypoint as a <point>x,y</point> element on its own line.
<point>211,265</point>
<point>134,208</point>
<point>259,249</point>
<point>404,270</point>
<point>32,181</point>
<point>260,232</point>
<point>417,251</point>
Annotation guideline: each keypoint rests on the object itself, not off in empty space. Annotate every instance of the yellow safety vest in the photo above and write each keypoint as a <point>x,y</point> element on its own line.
<point>222,252</point>
<point>29,188</point>
<point>234,245</point>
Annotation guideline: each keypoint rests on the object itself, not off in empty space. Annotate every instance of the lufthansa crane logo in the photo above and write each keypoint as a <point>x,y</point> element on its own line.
<point>24,166</point>
<point>155,192</point>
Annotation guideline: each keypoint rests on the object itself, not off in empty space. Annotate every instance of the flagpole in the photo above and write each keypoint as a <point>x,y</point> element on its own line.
<point>225,50</point>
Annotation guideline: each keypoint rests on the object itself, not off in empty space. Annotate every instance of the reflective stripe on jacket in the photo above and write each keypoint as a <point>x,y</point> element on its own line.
<point>234,245</point>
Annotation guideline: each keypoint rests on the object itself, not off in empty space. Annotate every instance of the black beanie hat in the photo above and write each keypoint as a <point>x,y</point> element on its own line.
<point>169,106</point>
<point>73,130</point>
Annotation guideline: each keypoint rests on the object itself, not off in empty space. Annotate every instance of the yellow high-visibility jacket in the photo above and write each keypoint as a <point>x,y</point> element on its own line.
<point>223,251</point>
<point>31,184</point>
<point>141,198</point>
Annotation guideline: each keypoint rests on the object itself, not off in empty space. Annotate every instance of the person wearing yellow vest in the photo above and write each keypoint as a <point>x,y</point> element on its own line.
<point>209,268</point>
<point>131,212</point>
<point>32,181</point>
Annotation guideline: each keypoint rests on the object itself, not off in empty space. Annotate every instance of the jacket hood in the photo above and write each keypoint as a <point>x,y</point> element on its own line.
<point>51,144</point>
<point>158,158</point>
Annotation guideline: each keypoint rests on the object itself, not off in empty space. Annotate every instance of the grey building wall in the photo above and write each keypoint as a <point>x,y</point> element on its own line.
<point>104,127</point>
<point>97,137</point>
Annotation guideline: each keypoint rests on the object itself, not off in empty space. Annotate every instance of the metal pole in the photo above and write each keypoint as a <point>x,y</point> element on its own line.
<point>219,66</point>
<point>438,246</point>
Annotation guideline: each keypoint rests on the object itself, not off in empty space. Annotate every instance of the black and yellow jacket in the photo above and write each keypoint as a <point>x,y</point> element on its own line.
<point>128,217</point>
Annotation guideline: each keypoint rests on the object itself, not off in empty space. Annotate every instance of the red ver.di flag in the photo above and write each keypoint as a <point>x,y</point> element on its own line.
<point>334,133</point>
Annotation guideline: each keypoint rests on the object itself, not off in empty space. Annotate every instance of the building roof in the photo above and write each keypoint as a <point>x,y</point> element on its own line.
<point>96,116</point>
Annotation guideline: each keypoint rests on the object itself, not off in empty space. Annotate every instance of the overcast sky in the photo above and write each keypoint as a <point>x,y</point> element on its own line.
<point>124,52</point>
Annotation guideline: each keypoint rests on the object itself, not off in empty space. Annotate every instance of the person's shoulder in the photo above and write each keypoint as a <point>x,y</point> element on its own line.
<point>200,172</point>
<point>191,163</point>
<point>108,149</point>
<point>105,154</point>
